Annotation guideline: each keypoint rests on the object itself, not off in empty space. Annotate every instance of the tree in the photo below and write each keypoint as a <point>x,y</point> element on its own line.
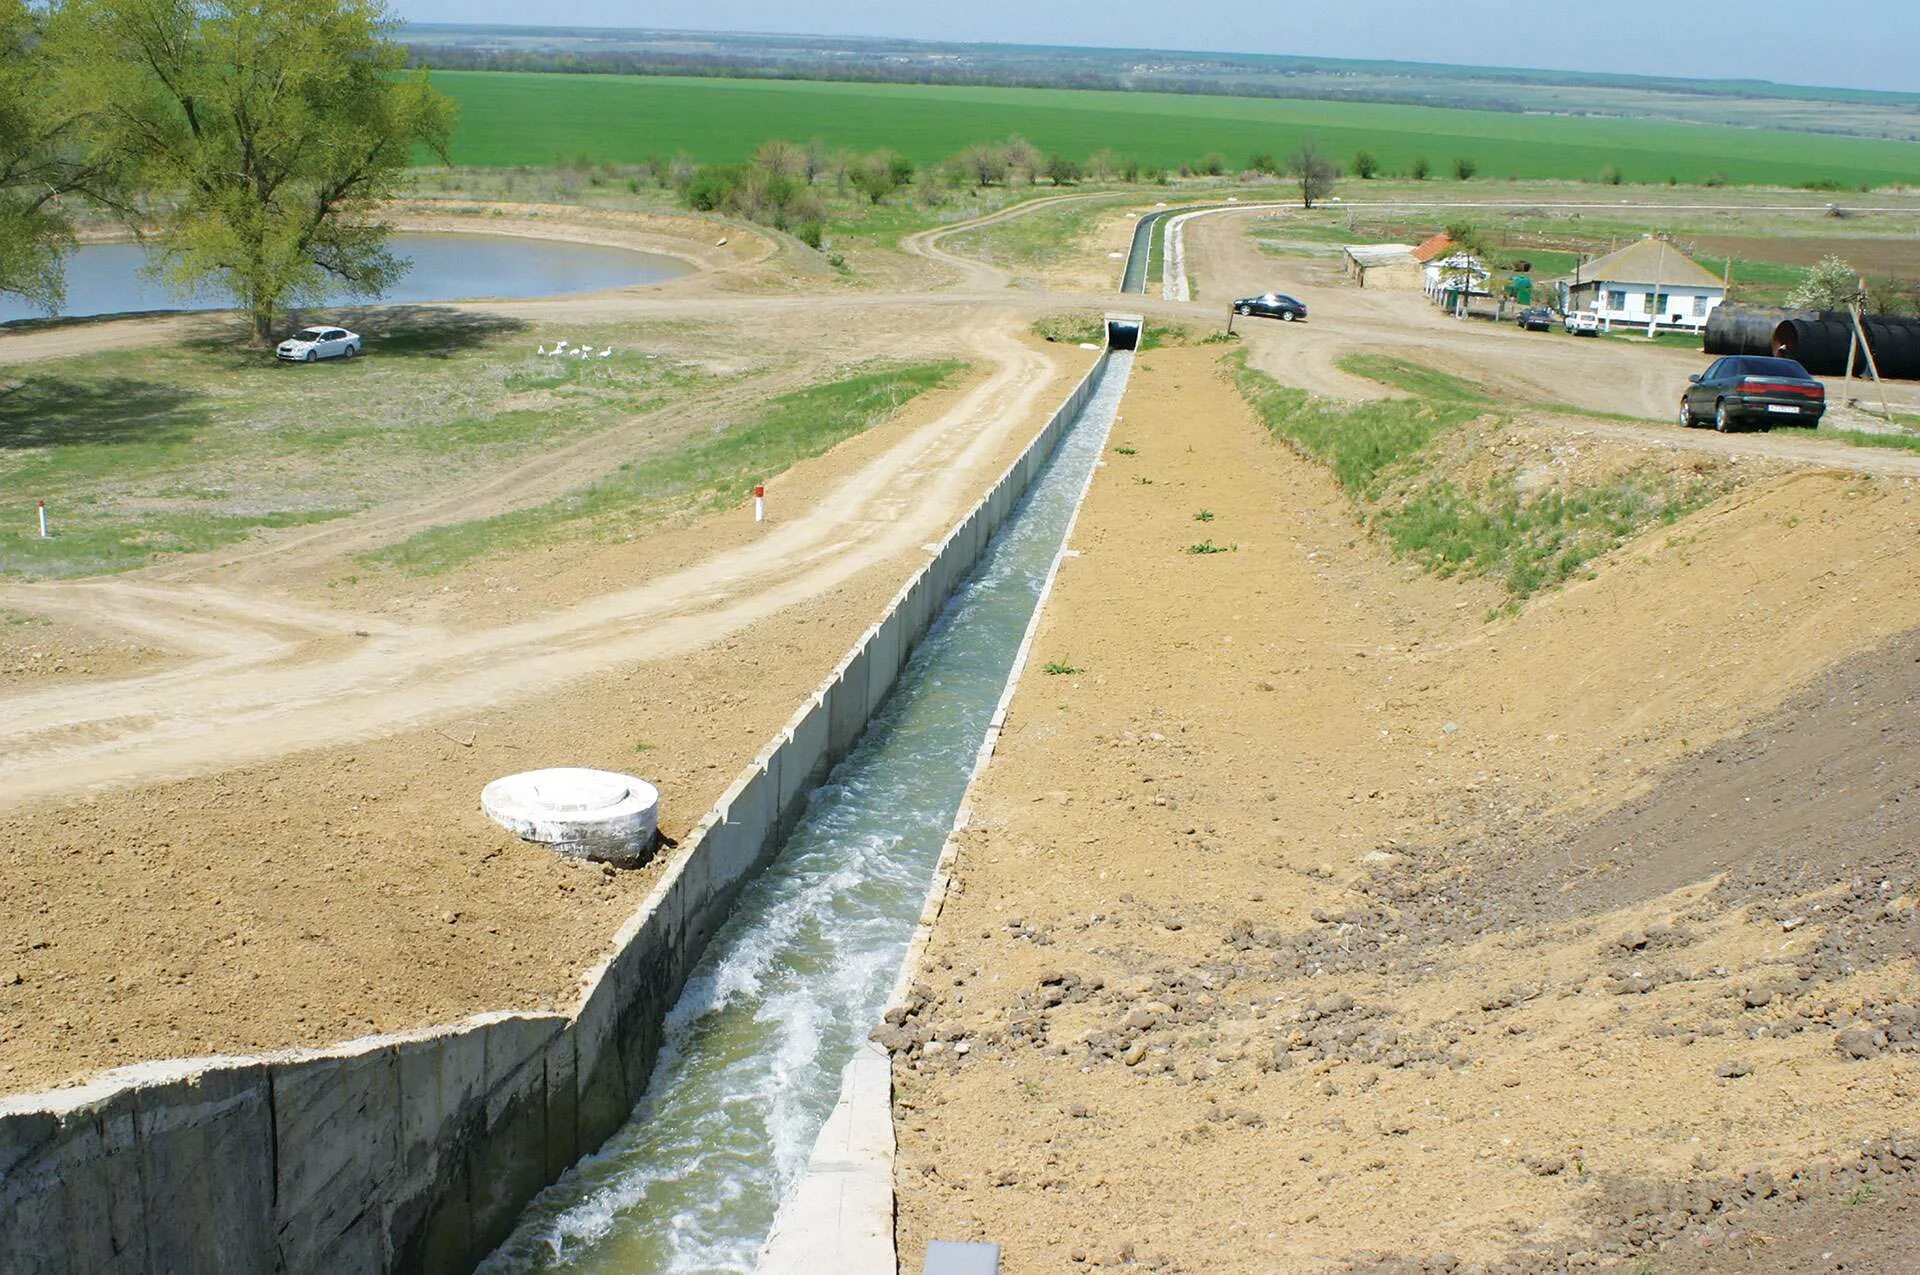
<point>1314,171</point>
<point>265,135</point>
<point>984,163</point>
<point>1213,164</point>
<point>1102,166</point>
<point>783,159</point>
<point>1130,171</point>
<point>1611,175</point>
<point>1062,171</point>
<point>1828,284</point>
<point>1464,169</point>
<point>1421,169</point>
<point>1023,157</point>
<point>37,165</point>
<point>1264,163</point>
<point>880,174</point>
<point>1365,165</point>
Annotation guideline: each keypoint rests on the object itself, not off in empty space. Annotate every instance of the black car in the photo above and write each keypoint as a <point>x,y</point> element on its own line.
<point>1536,318</point>
<point>1272,305</point>
<point>1751,390</point>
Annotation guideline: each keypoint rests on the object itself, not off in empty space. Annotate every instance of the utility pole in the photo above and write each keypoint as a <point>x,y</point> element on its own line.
<point>1860,335</point>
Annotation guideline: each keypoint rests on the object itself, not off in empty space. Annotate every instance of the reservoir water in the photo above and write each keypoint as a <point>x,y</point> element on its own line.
<point>110,278</point>
<point>790,986</point>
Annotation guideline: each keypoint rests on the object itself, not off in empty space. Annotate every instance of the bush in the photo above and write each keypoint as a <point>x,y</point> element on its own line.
<point>712,187</point>
<point>1421,169</point>
<point>1464,169</point>
<point>1365,165</point>
<point>1610,175</point>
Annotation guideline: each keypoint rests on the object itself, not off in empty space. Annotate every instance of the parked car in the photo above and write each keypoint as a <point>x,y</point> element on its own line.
<point>1536,318</point>
<point>1750,390</point>
<point>1583,323</point>
<point>1272,305</point>
<point>310,344</point>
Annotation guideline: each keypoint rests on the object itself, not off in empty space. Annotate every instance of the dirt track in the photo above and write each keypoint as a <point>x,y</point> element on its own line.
<point>277,678</point>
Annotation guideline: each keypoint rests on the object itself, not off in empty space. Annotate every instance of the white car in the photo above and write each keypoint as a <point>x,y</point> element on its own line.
<point>1583,323</point>
<point>310,344</point>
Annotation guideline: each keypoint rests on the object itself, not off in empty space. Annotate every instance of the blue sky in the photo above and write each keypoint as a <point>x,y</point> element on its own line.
<point>1853,43</point>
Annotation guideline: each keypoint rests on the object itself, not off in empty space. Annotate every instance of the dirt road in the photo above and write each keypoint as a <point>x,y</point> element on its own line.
<point>275,678</point>
<point>1544,368</point>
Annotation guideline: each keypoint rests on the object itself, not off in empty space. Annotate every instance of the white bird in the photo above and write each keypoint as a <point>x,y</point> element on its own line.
<point>543,351</point>
<point>560,347</point>
<point>607,353</point>
<point>585,351</point>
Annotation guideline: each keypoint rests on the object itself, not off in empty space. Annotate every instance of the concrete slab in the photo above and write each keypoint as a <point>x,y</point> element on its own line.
<point>841,1217</point>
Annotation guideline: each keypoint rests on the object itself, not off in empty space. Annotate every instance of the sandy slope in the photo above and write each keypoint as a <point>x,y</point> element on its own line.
<point>1317,918</point>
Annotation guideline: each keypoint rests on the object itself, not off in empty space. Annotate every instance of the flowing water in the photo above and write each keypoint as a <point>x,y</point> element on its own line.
<point>800,972</point>
<point>110,278</point>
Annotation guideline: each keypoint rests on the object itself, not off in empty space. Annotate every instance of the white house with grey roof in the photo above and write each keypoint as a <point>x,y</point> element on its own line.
<point>1647,283</point>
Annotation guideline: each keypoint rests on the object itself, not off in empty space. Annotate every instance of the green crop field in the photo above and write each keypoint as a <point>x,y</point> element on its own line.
<point>537,119</point>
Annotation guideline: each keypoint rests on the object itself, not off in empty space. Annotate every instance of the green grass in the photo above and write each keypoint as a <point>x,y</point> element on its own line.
<point>1530,542</point>
<point>1081,327</point>
<point>178,449</point>
<point>1357,443</point>
<point>1415,378</point>
<point>539,118</point>
<point>710,471</point>
<point>1853,437</point>
<point>1384,456</point>
<point>95,547</point>
<point>1034,239</point>
<point>1059,668</point>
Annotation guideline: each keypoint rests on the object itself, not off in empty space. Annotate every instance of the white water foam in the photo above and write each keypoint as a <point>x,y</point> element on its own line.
<point>789,987</point>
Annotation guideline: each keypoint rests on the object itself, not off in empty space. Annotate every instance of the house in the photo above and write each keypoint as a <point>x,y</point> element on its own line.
<point>1383,265</point>
<point>1648,283</point>
<point>1448,270</point>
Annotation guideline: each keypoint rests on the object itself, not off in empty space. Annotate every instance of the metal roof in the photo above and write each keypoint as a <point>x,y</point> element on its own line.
<point>1649,261</point>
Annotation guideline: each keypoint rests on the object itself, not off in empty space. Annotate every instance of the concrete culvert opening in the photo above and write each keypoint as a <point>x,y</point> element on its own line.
<point>586,814</point>
<point>1123,331</point>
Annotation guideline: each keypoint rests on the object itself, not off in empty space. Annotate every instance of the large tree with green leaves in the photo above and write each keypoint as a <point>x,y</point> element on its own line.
<point>39,163</point>
<point>264,135</point>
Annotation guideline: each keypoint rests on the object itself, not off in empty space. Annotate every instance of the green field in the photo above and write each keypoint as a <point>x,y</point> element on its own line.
<point>531,118</point>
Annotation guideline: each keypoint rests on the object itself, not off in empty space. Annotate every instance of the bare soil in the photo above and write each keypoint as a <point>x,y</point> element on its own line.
<point>1895,256</point>
<point>276,839</point>
<point>1320,923</point>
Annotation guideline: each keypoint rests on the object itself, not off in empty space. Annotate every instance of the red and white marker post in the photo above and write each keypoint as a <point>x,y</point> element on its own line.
<point>759,503</point>
<point>43,520</point>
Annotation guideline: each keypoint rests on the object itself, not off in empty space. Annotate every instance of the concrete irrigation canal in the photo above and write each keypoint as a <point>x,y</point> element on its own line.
<point>791,985</point>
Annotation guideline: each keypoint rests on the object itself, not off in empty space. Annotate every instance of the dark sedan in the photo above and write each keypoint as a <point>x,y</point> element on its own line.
<point>1272,305</point>
<point>1749,390</point>
<point>1536,318</point>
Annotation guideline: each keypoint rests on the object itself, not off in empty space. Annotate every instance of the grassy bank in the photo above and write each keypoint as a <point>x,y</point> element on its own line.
<point>180,449</point>
<point>1427,477</point>
<point>711,471</point>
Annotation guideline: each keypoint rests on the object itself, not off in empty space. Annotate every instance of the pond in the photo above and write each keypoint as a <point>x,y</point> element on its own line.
<point>109,278</point>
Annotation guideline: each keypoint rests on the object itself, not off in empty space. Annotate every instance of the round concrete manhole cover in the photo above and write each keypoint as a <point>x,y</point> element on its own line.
<point>592,814</point>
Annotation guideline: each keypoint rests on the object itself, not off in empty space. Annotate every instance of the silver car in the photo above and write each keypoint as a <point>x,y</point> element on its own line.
<point>311,344</point>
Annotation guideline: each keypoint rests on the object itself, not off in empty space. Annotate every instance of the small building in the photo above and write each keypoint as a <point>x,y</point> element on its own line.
<point>1383,265</point>
<point>1450,275</point>
<point>1648,283</point>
